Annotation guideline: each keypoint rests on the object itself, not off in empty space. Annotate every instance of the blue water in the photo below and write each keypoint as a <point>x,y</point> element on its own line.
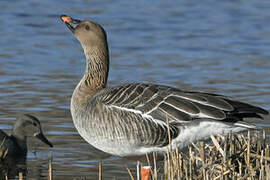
<point>215,46</point>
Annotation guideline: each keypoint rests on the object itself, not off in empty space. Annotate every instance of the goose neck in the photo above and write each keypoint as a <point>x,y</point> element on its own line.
<point>97,68</point>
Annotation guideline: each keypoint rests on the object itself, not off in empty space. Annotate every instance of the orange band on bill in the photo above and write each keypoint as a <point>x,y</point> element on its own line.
<point>65,19</point>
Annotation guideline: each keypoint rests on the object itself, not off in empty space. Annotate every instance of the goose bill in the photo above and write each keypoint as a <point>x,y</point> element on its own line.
<point>71,23</point>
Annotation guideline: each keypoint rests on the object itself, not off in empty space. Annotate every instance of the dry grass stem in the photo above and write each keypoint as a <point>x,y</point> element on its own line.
<point>130,174</point>
<point>100,171</point>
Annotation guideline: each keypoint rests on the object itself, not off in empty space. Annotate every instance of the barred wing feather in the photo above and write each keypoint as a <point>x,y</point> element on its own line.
<point>155,105</point>
<point>163,102</point>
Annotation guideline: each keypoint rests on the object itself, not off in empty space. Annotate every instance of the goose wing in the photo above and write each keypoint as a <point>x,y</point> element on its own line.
<point>163,102</point>
<point>151,107</point>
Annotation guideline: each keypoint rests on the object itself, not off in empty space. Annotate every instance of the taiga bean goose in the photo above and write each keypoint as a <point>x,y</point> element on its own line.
<point>15,145</point>
<point>131,119</point>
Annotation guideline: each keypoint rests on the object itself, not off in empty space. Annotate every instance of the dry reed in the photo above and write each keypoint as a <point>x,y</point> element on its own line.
<point>234,156</point>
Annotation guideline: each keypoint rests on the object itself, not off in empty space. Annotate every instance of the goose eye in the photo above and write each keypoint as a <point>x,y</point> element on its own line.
<point>87,27</point>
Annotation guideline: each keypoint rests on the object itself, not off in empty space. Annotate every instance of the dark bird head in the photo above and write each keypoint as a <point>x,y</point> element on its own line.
<point>29,126</point>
